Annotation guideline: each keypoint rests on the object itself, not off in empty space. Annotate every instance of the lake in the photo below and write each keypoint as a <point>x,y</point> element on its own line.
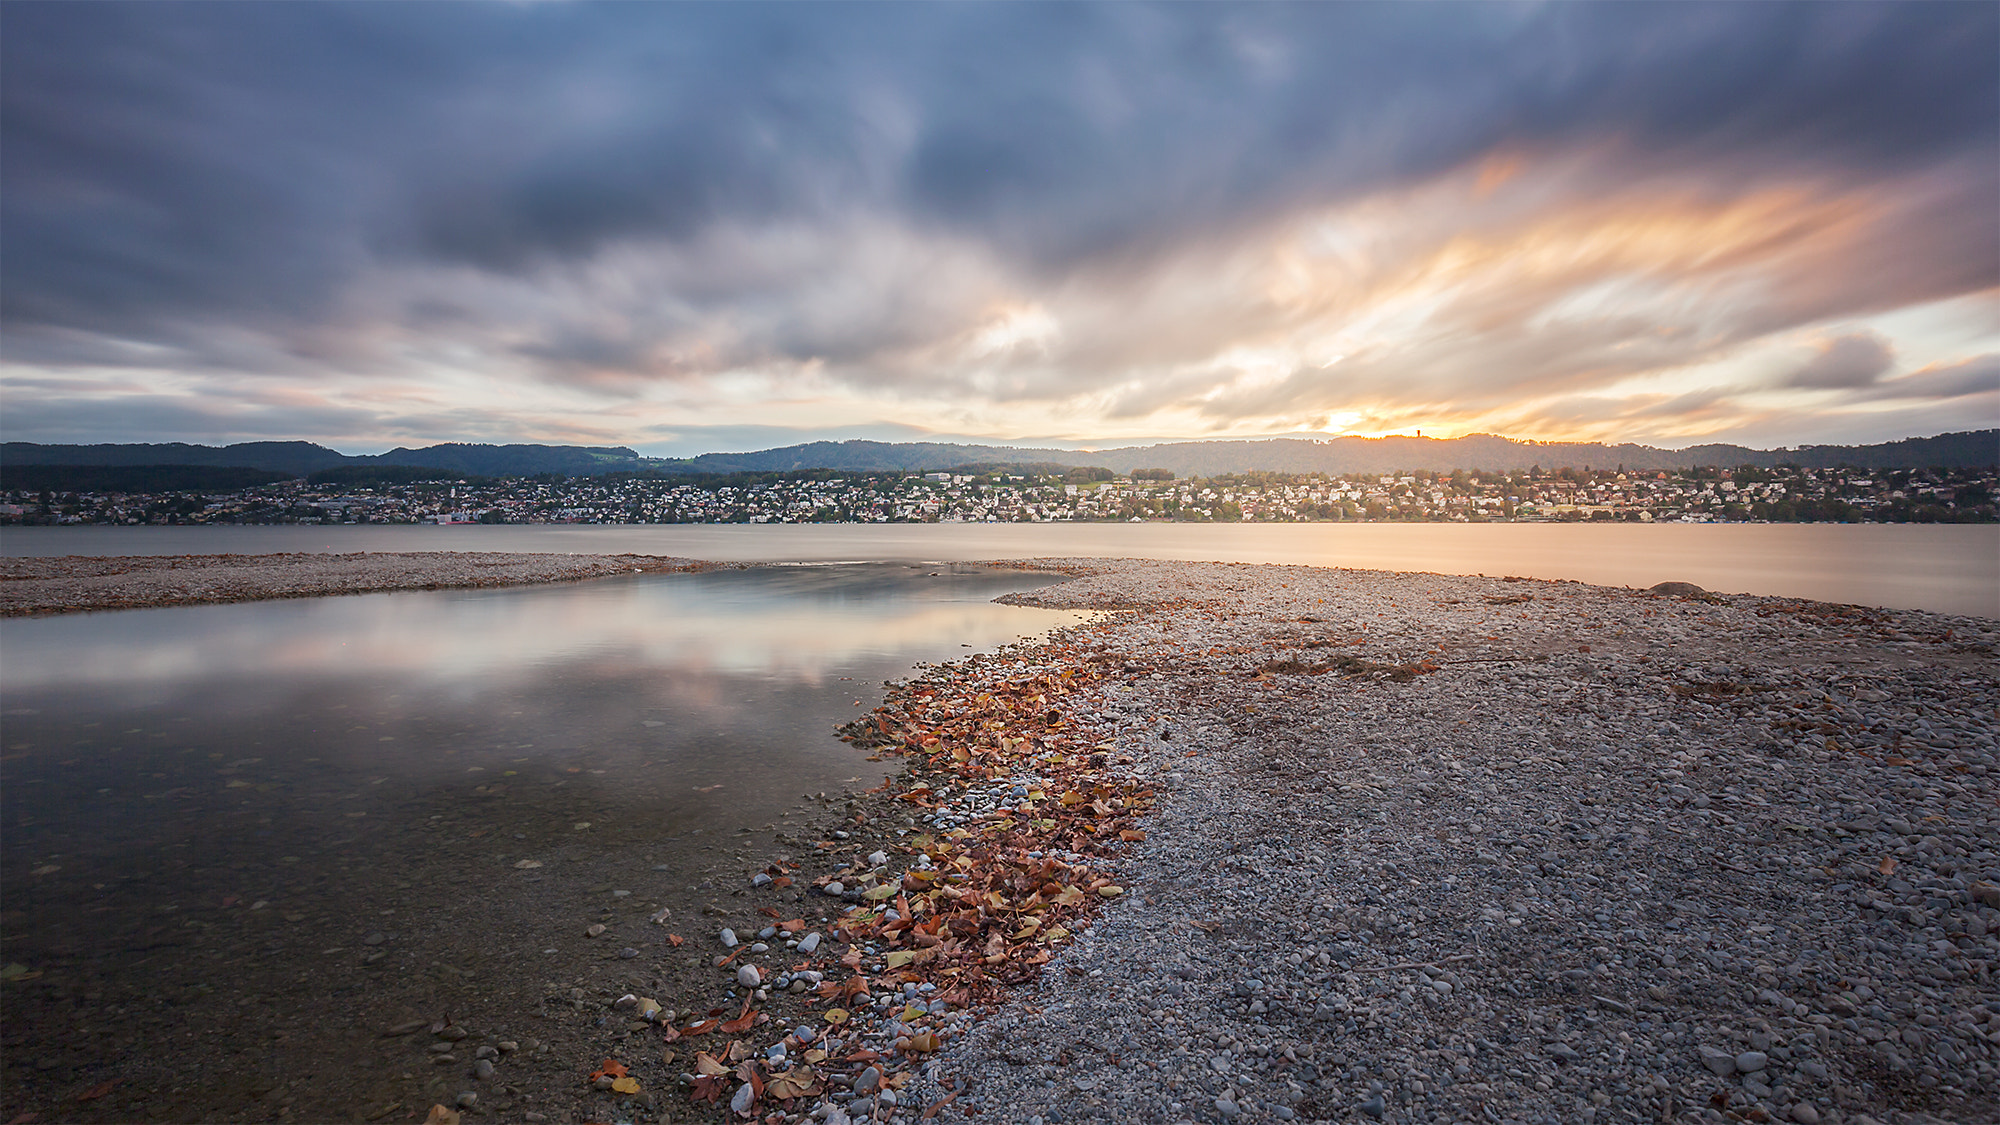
<point>1942,567</point>
<point>239,840</point>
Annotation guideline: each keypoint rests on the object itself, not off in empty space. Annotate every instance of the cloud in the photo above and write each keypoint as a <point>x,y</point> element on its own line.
<point>1845,362</point>
<point>1976,376</point>
<point>988,216</point>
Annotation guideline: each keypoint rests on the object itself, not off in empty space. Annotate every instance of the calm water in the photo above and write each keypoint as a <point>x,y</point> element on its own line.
<point>205,811</point>
<point>1950,569</point>
<point>680,701</point>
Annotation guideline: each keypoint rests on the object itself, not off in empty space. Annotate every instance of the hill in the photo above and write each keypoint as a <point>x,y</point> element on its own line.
<point>1341,455</point>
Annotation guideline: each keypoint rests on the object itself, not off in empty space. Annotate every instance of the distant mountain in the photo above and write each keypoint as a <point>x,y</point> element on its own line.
<point>1972,449</point>
<point>512,460</point>
<point>139,478</point>
<point>1347,455</point>
<point>1485,451</point>
<point>303,457</point>
<point>867,456</point>
<point>297,457</point>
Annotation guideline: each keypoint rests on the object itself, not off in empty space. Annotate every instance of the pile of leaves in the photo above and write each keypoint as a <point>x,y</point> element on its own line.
<point>989,902</point>
<point>969,910</point>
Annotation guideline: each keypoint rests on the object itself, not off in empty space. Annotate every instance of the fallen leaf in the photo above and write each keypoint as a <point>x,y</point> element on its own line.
<point>442,1116</point>
<point>837,1015</point>
<point>1887,866</point>
<point>710,1087</point>
<point>798,1082</point>
<point>741,1023</point>
<point>97,1091</point>
<point>674,940</point>
<point>625,1086</point>
<point>705,1063</point>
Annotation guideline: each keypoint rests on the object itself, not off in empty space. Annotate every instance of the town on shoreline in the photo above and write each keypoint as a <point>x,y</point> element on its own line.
<point>1007,494</point>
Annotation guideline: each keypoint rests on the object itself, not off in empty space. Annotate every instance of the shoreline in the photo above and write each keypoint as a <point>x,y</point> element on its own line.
<point>34,586</point>
<point>1393,846</point>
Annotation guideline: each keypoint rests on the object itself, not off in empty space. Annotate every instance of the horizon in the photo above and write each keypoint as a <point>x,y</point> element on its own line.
<point>697,228</point>
<point>1072,448</point>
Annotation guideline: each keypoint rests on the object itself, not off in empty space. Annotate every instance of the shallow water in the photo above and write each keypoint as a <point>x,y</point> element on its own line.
<point>223,816</point>
<point>1939,567</point>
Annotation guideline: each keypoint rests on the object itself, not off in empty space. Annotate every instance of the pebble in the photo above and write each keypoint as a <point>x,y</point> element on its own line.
<point>748,976</point>
<point>728,937</point>
<point>809,943</point>
<point>1439,898</point>
<point>1718,1062</point>
<point>482,1069</point>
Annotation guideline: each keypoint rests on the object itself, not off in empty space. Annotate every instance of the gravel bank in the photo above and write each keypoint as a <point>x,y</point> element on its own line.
<point>1462,849</point>
<point>1394,847</point>
<point>78,582</point>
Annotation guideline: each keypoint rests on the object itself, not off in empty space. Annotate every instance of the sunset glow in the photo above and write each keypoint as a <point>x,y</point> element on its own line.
<point>572,224</point>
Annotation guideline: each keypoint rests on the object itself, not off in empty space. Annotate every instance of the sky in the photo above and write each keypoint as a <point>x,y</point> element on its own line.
<point>687,228</point>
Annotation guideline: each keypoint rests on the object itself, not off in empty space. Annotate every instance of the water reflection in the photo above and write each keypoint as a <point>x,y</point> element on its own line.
<point>789,622</point>
<point>253,788</point>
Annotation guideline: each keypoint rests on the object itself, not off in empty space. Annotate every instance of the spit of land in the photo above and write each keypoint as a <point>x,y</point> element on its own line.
<point>1268,843</point>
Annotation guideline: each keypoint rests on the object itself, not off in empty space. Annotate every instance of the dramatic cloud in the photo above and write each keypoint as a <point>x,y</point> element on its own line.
<point>1845,362</point>
<point>635,223</point>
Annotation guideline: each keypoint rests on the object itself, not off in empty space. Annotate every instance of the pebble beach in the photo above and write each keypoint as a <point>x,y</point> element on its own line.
<point>1606,855</point>
<point>1374,847</point>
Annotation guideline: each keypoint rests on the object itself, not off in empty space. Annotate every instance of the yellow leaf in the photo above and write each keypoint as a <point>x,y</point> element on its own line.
<point>877,894</point>
<point>1055,934</point>
<point>709,1065</point>
<point>1072,799</point>
<point>1070,896</point>
<point>1033,925</point>
<point>1111,892</point>
<point>924,1042</point>
<point>836,1015</point>
<point>625,1085</point>
<point>441,1116</point>
<point>799,1082</point>
<point>899,958</point>
<point>816,1055</point>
